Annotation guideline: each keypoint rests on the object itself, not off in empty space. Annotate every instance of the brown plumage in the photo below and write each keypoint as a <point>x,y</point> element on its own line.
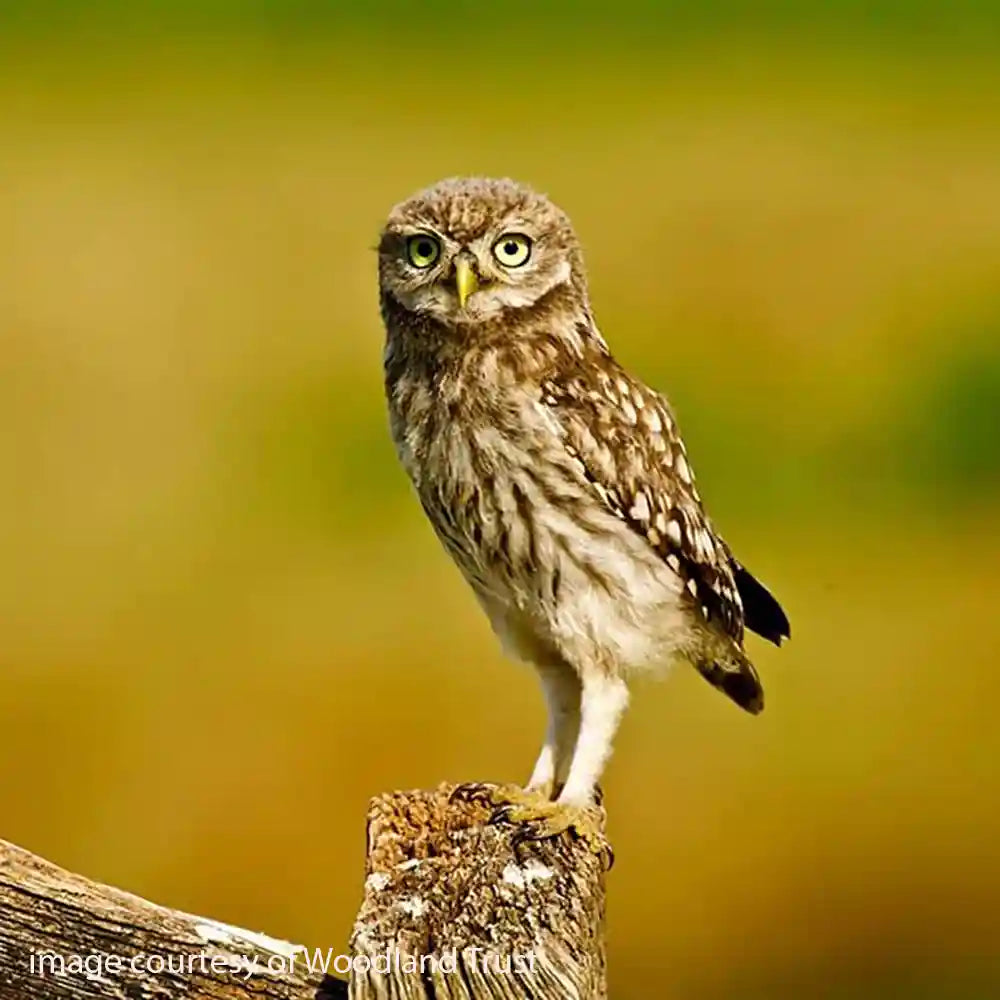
<point>556,480</point>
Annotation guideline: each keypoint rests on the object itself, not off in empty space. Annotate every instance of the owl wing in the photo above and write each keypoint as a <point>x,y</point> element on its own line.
<point>623,436</point>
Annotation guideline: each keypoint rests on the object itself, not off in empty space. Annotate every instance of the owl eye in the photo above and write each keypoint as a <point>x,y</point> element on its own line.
<point>512,249</point>
<point>422,250</point>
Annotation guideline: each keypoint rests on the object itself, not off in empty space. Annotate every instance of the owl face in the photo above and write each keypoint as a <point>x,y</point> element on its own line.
<point>470,250</point>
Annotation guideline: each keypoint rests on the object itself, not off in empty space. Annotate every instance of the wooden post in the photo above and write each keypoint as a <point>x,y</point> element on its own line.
<point>450,911</point>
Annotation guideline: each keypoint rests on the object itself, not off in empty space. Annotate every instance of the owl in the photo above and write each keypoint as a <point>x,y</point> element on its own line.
<point>556,480</point>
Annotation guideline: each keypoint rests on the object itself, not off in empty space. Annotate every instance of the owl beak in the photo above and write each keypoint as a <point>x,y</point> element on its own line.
<point>466,280</point>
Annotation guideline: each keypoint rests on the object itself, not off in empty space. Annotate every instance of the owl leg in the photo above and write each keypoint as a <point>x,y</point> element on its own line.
<point>563,693</point>
<point>602,701</point>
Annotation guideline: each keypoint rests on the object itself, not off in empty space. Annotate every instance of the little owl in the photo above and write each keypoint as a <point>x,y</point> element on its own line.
<point>557,481</point>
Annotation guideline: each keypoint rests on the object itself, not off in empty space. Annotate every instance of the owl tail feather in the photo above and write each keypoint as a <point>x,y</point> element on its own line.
<point>733,674</point>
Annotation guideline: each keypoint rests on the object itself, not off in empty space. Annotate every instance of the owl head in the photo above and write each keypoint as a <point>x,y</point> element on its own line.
<point>469,250</point>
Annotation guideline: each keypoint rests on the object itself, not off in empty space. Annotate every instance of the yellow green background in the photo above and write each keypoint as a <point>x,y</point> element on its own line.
<point>224,623</point>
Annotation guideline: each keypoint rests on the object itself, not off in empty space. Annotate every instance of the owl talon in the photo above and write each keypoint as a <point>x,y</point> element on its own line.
<point>472,791</point>
<point>500,814</point>
<point>583,824</point>
<point>537,818</point>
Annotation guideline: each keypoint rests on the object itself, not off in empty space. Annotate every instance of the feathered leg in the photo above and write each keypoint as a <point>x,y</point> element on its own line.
<point>563,695</point>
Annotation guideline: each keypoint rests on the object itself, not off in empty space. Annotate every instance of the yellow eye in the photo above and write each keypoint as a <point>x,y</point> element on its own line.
<point>512,249</point>
<point>422,250</point>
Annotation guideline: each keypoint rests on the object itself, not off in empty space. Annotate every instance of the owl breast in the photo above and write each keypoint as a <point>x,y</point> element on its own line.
<point>557,573</point>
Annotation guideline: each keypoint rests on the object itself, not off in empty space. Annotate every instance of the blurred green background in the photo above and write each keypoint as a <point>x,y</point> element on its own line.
<point>224,621</point>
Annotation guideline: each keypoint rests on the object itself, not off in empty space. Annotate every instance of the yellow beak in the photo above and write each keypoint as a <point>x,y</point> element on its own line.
<point>466,280</point>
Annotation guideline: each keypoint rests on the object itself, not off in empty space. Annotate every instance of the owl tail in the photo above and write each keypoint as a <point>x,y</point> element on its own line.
<point>733,674</point>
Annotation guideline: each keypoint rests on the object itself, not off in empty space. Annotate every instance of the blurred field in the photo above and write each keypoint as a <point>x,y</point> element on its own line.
<point>225,624</point>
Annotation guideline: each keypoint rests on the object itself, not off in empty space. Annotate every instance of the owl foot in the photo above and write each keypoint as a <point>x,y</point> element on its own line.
<point>538,818</point>
<point>545,820</point>
<point>492,795</point>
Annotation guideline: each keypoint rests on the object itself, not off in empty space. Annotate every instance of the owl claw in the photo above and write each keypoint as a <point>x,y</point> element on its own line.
<point>583,823</point>
<point>472,791</point>
<point>537,818</point>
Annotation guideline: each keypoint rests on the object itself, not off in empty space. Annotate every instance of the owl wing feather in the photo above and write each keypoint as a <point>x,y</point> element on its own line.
<point>624,436</point>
